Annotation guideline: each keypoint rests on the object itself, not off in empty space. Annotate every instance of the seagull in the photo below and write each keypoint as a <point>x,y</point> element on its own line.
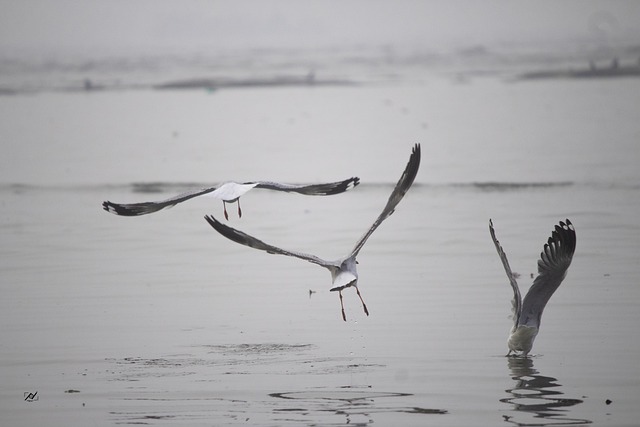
<point>230,192</point>
<point>552,268</point>
<point>343,271</point>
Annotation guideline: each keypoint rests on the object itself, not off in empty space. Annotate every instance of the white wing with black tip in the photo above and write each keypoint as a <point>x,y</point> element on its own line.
<point>401,188</point>
<point>553,264</point>
<point>230,192</point>
<point>250,241</point>
<point>516,302</point>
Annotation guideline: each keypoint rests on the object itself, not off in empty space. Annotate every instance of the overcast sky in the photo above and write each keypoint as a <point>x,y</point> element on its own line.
<point>51,25</point>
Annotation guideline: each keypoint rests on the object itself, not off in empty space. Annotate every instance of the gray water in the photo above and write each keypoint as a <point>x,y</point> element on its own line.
<point>159,320</point>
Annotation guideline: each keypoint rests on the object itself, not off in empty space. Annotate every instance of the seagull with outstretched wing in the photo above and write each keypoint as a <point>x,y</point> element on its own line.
<point>343,271</point>
<point>553,264</point>
<point>230,192</point>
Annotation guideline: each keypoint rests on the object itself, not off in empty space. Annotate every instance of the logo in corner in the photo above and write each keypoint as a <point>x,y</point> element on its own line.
<point>31,397</point>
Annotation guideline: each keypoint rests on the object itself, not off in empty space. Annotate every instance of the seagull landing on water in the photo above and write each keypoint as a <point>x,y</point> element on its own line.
<point>552,268</point>
<point>230,192</point>
<point>343,271</point>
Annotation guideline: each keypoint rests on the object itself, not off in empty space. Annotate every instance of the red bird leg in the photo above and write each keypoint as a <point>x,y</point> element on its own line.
<point>362,301</point>
<point>239,210</point>
<point>226,215</point>
<point>344,316</point>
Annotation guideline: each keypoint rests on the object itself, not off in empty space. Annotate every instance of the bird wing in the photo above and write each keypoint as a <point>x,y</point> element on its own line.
<point>398,193</point>
<point>229,191</point>
<point>244,239</point>
<point>327,189</point>
<point>516,302</point>
<point>136,209</point>
<point>553,264</point>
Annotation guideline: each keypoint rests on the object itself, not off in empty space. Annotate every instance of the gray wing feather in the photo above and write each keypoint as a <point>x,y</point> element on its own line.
<point>144,208</point>
<point>553,264</point>
<point>312,189</point>
<point>247,240</point>
<point>516,302</point>
<point>403,185</point>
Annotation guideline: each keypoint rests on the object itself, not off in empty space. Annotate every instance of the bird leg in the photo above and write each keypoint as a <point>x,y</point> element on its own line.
<point>239,210</point>
<point>362,301</point>
<point>226,215</point>
<point>344,316</point>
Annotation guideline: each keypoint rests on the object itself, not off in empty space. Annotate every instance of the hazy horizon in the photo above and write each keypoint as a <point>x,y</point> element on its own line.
<point>42,27</point>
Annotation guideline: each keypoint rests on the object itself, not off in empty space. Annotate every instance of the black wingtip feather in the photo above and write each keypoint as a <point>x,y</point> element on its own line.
<point>562,240</point>
<point>214,222</point>
<point>226,231</point>
<point>413,165</point>
<point>117,209</point>
<point>343,186</point>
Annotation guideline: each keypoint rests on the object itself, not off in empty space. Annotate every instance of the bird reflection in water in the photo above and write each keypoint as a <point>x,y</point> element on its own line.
<point>537,395</point>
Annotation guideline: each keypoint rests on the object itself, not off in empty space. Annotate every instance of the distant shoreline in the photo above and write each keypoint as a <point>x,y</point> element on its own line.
<point>213,84</point>
<point>613,71</point>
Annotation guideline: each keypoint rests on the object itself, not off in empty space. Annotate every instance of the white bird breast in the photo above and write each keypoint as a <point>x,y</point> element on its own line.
<point>522,338</point>
<point>230,191</point>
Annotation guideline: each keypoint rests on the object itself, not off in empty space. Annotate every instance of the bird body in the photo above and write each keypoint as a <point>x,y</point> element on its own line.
<point>344,273</point>
<point>553,264</point>
<point>521,339</point>
<point>230,192</point>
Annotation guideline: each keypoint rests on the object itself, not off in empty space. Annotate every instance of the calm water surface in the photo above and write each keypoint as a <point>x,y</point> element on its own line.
<point>159,320</point>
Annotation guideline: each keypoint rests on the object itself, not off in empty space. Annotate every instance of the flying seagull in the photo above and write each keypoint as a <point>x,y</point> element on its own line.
<point>552,268</point>
<point>230,192</point>
<point>344,273</point>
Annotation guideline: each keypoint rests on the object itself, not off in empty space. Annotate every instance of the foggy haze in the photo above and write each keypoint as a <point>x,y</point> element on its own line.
<point>43,26</point>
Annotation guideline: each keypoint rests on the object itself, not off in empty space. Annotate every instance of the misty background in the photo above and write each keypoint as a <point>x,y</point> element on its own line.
<point>159,319</point>
<point>66,25</point>
<point>126,44</point>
